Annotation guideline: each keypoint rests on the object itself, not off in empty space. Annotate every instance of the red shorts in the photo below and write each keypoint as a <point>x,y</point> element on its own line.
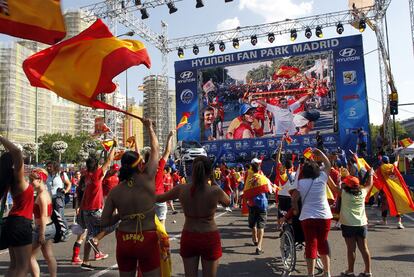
<point>205,245</point>
<point>316,236</point>
<point>131,251</point>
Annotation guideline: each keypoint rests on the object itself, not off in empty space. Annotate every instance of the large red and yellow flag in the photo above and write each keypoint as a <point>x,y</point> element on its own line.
<point>39,20</point>
<point>398,195</point>
<point>107,144</point>
<point>82,67</point>
<point>184,120</point>
<point>256,183</point>
<point>286,72</point>
<point>406,142</point>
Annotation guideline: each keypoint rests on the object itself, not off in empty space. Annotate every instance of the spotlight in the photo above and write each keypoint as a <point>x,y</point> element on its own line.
<point>271,37</point>
<point>226,1</point>
<point>180,53</point>
<point>236,43</point>
<point>222,46</point>
<point>293,35</point>
<point>123,4</point>
<point>196,50</point>
<point>172,7</point>
<point>318,32</point>
<point>308,33</point>
<point>138,3</point>
<point>253,40</point>
<point>362,25</point>
<point>211,48</point>
<point>144,14</point>
<point>199,4</point>
<point>340,28</point>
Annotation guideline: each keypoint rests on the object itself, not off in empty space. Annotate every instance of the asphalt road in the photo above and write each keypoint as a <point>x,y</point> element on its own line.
<point>392,249</point>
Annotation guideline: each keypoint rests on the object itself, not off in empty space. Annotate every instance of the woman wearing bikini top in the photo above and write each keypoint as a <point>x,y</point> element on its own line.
<point>134,199</point>
<point>200,236</point>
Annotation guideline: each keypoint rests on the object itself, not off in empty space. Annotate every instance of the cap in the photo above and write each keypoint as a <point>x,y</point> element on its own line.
<point>303,118</point>
<point>244,108</point>
<point>385,159</point>
<point>115,167</point>
<point>351,181</point>
<point>256,161</point>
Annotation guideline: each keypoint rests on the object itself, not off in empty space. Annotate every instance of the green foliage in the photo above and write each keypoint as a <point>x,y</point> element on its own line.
<point>400,130</point>
<point>217,74</point>
<point>46,152</point>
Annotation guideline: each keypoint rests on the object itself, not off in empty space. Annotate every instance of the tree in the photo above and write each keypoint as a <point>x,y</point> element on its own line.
<point>400,130</point>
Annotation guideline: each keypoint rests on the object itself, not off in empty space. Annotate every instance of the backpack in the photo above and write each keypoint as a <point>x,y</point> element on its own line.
<point>62,233</point>
<point>261,202</point>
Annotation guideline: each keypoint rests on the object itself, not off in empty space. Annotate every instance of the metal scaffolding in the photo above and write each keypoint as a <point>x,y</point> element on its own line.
<point>125,12</point>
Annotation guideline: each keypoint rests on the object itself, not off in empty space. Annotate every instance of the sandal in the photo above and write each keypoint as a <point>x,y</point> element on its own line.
<point>347,273</point>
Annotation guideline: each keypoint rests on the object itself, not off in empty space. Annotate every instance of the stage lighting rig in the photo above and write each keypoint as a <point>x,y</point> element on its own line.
<point>271,37</point>
<point>222,46</point>
<point>180,53</point>
<point>211,48</point>
<point>236,43</point>
<point>196,50</point>
<point>318,32</point>
<point>308,33</point>
<point>199,4</point>
<point>293,35</point>
<point>144,14</point>
<point>253,40</point>
<point>171,7</point>
<point>227,1</point>
<point>340,28</point>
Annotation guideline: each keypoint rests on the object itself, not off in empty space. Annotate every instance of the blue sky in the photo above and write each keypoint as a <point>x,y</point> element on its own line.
<point>217,15</point>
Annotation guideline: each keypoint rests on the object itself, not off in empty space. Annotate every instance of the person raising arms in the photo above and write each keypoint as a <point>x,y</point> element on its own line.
<point>200,236</point>
<point>134,200</point>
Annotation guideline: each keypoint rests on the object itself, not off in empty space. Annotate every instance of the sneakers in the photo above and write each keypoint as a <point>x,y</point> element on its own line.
<point>400,226</point>
<point>87,267</point>
<point>76,260</point>
<point>100,256</point>
<point>228,209</point>
<point>175,212</point>
<point>259,251</point>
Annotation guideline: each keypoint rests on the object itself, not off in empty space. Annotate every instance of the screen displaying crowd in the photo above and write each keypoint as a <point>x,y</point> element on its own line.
<point>293,95</point>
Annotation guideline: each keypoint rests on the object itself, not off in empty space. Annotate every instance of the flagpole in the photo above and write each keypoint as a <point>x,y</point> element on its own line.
<point>36,127</point>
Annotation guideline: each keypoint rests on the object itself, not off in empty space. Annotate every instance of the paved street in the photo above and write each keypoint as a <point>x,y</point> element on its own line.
<point>392,250</point>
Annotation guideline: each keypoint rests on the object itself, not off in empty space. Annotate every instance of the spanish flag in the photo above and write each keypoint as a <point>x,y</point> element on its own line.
<point>398,195</point>
<point>82,67</point>
<point>256,183</point>
<point>107,144</point>
<point>308,153</point>
<point>287,138</point>
<point>184,120</point>
<point>286,72</point>
<point>38,20</point>
<point>406,142</point>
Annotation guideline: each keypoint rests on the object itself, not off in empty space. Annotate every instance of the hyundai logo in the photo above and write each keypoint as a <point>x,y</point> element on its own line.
<point>186,75</point>
<point>186,96</point>
<point>347,52</point>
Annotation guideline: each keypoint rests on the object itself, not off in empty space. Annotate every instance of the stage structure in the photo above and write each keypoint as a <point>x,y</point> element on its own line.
<point>126,12</point>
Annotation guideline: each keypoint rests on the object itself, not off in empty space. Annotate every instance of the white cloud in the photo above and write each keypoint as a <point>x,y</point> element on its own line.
<point>230,23</point>
<point>276,10</point>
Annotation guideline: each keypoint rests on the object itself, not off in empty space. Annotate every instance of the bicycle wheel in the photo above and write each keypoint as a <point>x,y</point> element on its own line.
<point>288,250</point>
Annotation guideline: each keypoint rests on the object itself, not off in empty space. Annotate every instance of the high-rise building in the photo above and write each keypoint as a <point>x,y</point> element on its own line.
<point>172,110</point>
<point>133,126</point>
<point>156,107</point>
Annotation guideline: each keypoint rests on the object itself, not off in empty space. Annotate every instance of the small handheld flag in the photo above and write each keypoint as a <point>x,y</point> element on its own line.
<point>107,144</point>
<point>406,142</point>
<point>308,153</point>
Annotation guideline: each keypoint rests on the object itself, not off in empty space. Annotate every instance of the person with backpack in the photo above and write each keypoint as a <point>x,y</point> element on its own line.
<point>16,233</point>
<point>44,231</point>
<point>58,185</point>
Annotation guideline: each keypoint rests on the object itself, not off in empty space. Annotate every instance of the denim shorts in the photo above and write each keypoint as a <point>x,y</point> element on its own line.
<point>50,232</point>
<point>354,231</point>
<point>92,221</point>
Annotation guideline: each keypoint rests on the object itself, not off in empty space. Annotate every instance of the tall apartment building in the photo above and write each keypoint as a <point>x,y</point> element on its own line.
<point>133,126</point>
<point>156,107</point>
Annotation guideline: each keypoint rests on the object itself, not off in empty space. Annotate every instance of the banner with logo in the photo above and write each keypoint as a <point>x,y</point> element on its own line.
<point>227,94</point>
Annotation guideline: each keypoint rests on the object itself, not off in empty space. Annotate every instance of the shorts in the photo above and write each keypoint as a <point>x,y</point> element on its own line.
<point>285,203</point>
<point>50,232</point>
<point>131,251</point>
<point>257,218</point>
<point>161,210</point>
<point>354,231</point>
<point>206,245</point>
<point>92,222</point>
<point>17,231</point>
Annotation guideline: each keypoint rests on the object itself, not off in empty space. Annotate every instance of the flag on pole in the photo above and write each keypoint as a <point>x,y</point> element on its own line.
<point>286,72</point>
<point>184,120</point>
<point>38,20</point>
<point>100,127</point>
<point>287,138</point>
<point>308,153</point>
<point>82,67</point>
<point>406,142</point>
<point>107,144</point>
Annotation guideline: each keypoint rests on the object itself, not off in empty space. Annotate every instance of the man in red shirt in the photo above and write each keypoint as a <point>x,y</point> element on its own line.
<point>91,207</point>
<point>161,208</point>
<point>111,180</point>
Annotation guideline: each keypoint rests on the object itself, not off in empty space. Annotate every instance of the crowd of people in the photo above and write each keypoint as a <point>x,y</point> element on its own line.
<point>133,196</point>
